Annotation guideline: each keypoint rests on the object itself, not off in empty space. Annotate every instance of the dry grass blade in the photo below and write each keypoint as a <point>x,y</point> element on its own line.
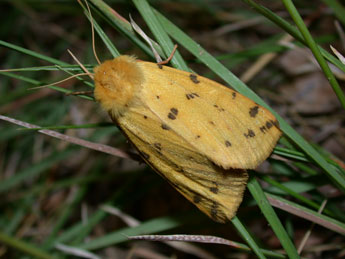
<point>182,246</point>
<point>305,215</point>
<point>74,140</point>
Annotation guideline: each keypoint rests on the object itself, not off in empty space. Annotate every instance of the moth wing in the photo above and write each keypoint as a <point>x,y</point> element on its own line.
<point>227,127</point>
<point>215,191</point>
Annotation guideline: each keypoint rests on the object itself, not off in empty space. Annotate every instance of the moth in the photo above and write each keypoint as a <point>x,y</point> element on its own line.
<point>196,133</point>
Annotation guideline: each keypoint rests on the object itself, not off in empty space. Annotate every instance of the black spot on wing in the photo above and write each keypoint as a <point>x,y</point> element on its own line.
<point>145,117</point>
<point>214,190</point>
<point>173,113</point>
<point>250,134</point>
<point>253,111</point>
<point>233,95</point>
<point>214,210</point>
<point>192,95</point>
<point>158,146</point>
<point>145,155</point>
<point>196,198</point>
<point>275,123</point>
<point>263,129</point>
<point>165,127</point>
<point>268,125</point>
<point>171,116</point>
<point>219,108</point>
<point>194,78</point>
<point>227,143</point>
<point>179,169</point>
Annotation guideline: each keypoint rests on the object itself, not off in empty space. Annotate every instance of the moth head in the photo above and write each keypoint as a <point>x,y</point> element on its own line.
<point>116,83</point>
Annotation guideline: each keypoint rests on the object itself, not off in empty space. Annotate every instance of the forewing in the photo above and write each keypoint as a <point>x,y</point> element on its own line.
<point>227,127</point>
<point>215,191</point>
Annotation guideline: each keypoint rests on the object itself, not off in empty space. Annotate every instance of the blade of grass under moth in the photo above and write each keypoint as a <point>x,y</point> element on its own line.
<point>287,27</point>
<point>296,155</point>
<point>247,237</point>
<point>272,218</point>
<point>162,37</point>
<point>315,50</point>
<point>23,246</point>
<point>122,25</point>
<point>291,154</point>
<point>307,213</point>
<point>238,85</point>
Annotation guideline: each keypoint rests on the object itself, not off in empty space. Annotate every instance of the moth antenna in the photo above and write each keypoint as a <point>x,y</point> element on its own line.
<point>170,57</point>
<point>92,33</point>
<point>80,64</point>
<point>146,38</point>
<point>61,81</point>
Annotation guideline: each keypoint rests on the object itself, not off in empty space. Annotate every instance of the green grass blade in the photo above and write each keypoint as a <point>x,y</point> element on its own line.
<point>119,236</point>
<point>247,237</point>
<point>32,53</point>
<point>315,50</point>
<point>272,217</point>
<point>314,216</point>
<point>24,247</point>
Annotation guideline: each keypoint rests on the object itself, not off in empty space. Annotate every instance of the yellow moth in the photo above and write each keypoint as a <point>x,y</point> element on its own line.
<point>196,133</point>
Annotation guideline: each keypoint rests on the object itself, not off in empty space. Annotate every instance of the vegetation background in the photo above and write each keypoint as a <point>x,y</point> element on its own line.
<point>59,199</point>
